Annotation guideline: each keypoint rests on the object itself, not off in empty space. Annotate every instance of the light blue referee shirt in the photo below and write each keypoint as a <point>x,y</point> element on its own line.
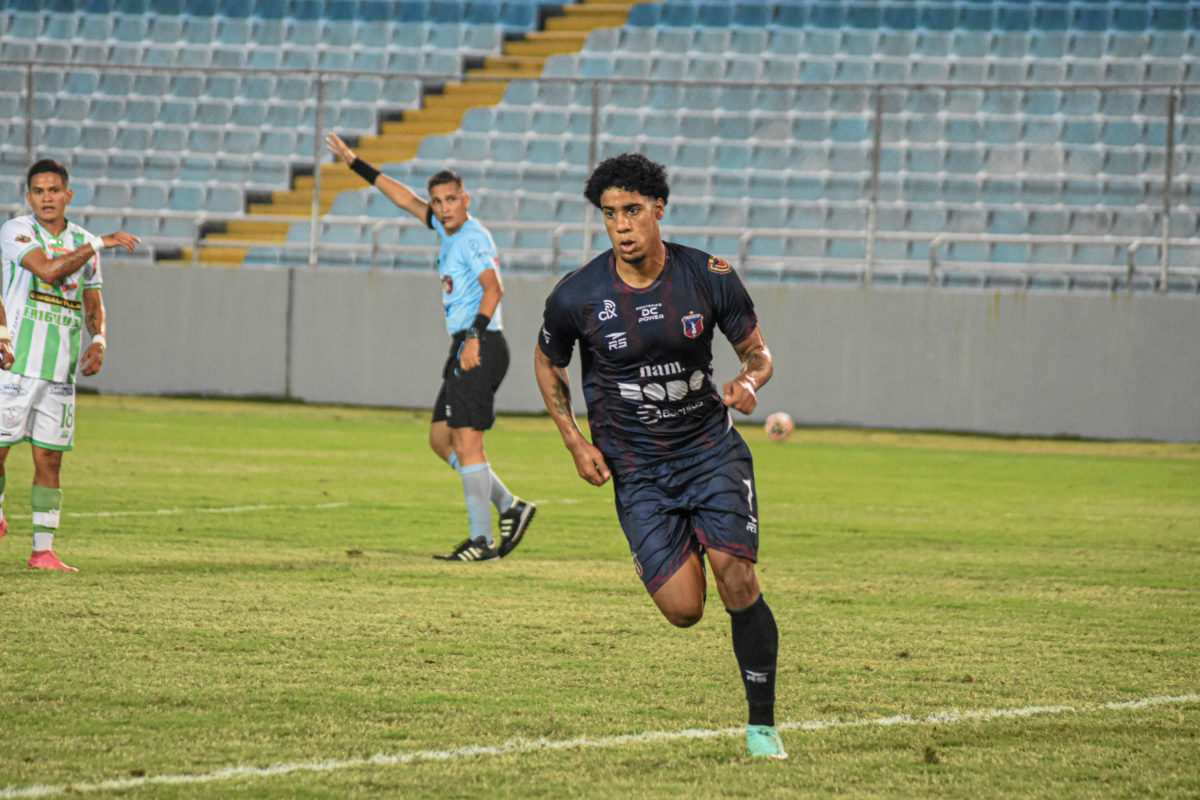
<point>463,258</point>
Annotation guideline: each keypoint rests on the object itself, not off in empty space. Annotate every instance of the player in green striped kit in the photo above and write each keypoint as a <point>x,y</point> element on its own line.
<point>51,282</point>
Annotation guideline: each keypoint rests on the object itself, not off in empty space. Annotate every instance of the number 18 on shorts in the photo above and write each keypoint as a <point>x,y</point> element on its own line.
<point>37,411</point>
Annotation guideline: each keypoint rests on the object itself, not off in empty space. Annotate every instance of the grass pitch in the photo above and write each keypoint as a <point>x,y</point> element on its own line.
<point>256,590</point>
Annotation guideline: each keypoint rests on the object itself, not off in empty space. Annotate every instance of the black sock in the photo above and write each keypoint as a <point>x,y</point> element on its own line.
<point>756,646</point>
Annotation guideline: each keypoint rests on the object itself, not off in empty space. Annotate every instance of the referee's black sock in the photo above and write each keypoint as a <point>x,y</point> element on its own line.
<point>756,646</point>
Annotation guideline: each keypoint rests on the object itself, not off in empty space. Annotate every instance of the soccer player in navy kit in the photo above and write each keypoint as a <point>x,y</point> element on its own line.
<point>478,359</point>
<point>643,315</point>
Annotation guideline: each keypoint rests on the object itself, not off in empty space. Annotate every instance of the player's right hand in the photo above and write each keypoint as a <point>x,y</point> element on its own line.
<point>6,354</point>
<point>121,239</point>
<point>590,464</point>
<point>335,145</point>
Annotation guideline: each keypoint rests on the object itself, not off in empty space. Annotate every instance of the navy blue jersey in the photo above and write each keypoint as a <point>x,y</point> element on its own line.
<point>647,353</point>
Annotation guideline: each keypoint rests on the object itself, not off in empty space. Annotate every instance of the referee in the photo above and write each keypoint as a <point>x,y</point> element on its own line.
<point>478,360</point>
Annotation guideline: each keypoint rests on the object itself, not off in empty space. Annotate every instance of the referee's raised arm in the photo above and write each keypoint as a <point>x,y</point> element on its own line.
<point>396,191</point>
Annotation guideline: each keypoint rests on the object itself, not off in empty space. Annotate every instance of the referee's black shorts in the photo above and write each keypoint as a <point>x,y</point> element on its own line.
<point>468,399</point>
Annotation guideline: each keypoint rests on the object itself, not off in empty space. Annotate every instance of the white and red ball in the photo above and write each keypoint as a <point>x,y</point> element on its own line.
<point>778,426</point>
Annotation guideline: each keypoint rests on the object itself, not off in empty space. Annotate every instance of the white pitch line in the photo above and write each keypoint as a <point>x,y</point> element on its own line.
<point>520,746</point>
<point>178,511</point>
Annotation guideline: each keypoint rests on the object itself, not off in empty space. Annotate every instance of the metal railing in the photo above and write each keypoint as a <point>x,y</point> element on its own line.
<point>871,236</point>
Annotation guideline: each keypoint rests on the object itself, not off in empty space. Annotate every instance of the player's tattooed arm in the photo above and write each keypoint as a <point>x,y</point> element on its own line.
<point>52,270</point>
<point>741,393</point>
<point>555,386</point>
<point>96,321</point>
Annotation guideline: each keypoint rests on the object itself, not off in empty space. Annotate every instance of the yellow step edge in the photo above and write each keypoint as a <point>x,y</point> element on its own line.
<point>579,23</point>
<point>477,89</point>
<point>246,229</point>
<point>542,49</point>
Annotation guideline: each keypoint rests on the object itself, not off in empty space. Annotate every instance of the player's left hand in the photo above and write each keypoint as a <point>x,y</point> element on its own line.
<point>121,239</point>
<point>93,359</point>
<point>468,355</point>
<point>6,354</point>
<point>739,394</point>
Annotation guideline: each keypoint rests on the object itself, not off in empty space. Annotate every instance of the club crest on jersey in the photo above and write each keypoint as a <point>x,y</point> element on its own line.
<point>718,266</point>
<point>23,239</point>
<point>693,325</point>
<point>448,284</point>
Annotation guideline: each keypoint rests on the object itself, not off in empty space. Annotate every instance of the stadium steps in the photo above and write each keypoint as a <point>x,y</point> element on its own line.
<point>441,113</point>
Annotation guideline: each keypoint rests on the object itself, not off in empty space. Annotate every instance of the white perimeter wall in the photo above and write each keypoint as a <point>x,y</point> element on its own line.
<point>1041,363</point>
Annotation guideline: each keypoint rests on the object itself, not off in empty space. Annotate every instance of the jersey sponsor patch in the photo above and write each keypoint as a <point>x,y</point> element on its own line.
<point>693,325</point>
<point>718,266</point>
<point>448,284</point>
<point>23,239</point>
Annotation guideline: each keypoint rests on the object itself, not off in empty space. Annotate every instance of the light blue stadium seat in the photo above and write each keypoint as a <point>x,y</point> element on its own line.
<point>846,187</point>
<point>63,137</point>
<point>110,195</point>
<point>149,196</point>
<point>965,219</point>
<point>771,128</point>
<point>132,138</point>
<point>804,187</point>
<point>785,42</point>
<point>770,157</point>
<point>350,204</point>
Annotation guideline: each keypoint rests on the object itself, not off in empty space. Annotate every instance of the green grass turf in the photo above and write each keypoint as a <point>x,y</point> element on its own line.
<point>256,588</point>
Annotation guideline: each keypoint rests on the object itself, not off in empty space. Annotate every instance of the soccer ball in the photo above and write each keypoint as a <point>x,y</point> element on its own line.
<point>779,426</point>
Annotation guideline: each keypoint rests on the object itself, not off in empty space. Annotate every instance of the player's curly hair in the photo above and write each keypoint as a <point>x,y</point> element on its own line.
<point>630,171</point>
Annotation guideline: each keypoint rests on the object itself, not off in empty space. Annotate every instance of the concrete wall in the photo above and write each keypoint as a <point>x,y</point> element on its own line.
<point>1048,363</point>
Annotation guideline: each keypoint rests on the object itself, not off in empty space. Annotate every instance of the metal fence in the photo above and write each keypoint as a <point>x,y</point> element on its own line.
<point>1140,260</point>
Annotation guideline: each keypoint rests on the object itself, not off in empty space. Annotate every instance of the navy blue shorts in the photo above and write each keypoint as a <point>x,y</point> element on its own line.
<point>468,399</point>
<point>673,509</point>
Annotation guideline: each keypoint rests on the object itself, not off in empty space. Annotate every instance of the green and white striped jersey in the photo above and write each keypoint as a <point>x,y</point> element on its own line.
<point>45,319</point>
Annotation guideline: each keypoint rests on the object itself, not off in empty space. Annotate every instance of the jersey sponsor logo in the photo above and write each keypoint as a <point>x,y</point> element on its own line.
<point>13,390</point>
<point>608,312</point>
<point>62,389</point>
<point>649,415</point>
<point>659,370</point>
<point>693,325</point>
<point>653,392</point>
<point>617,341</point>
<point>650,312</point>
<point>718,266</point>
<point>448,284</point>
<point>23,239</point>
<point>54,300</point>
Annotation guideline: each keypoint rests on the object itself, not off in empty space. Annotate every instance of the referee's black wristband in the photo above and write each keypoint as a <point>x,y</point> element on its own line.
<point>480,323</point>
<point>364,170</point>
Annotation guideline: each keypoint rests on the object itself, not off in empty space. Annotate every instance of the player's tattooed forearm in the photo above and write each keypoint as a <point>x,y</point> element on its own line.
<point>93,325</point>
<point>67,264</point>
<point>562,399</point>
<point>755,362</point>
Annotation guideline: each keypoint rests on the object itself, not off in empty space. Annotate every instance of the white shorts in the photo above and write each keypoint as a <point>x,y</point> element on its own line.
<point>37,411</point>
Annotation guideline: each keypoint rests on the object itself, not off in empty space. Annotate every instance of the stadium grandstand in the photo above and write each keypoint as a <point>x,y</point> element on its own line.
<point>1044,144</point>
